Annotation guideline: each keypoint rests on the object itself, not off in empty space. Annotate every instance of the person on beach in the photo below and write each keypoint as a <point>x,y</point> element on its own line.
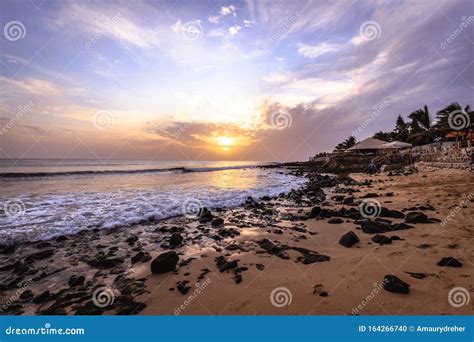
<point>371,168</point>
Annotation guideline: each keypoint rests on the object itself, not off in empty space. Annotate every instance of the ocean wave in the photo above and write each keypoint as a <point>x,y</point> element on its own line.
<point>15,175</point>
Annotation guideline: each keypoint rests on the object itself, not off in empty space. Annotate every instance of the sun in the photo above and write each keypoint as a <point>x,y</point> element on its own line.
<point>226,142</point>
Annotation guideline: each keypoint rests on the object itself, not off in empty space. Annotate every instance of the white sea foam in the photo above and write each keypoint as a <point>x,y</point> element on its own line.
<point>54,209</point>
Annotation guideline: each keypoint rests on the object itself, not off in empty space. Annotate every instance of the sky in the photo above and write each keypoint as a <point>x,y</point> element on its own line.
<point>222,80</point>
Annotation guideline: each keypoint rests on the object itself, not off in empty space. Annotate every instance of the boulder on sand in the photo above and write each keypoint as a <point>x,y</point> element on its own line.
<point>349,239</point>
<point>392,283</point>
<point>416,217</point>
<point>381,239</point>
<point>450,262</point>
<point>165,262</point>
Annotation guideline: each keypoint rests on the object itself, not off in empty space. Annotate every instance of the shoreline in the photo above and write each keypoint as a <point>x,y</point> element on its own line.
<point>261,246</point>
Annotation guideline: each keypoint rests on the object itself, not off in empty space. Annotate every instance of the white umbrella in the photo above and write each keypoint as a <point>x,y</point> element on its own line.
<point>397,144</point>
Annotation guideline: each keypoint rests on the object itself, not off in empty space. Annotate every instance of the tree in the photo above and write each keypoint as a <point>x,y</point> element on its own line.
<point>385,136</point>
<point>420,132</point>
<point>401,129</point>
<point>348,143</point>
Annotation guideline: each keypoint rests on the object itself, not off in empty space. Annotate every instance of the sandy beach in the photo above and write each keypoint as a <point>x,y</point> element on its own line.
<point>272,256</point>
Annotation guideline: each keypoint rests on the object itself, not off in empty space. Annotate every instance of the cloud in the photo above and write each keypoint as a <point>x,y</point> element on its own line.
<point>317,50</point>
<point>228,10</point>
<point>214,19</point>
<point>233,30</point>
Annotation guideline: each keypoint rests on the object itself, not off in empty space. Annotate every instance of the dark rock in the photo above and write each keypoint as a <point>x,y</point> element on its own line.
<point>182,287</point>
<point>416,217</point>
<point>175,240</point>
<point>42,297</point>
<point>271,248</point>
<point>370,195</point>
<point>349,239</point>
<point>39,255</point>
<point>324,294</point>
<point>348,200</point>
<point>61,238</point>
<point>394,284</point>
<point>449,262</point>
<point>417,275</point>
<point>335,220</point>
<point>141,256</point>
<point>315,212</point>
<point>10,249</point>
<point>381,239</point>
<point>237,278</point>
<point>224,265</point>
<point>132,239</point>
<point>384,212</point>
<point>205,215</point>
<point>102,261</point>
<point>309,256</point>
<point>375,227</point>
<point>76,280</point>
<point>217,222</point>
<point>26,295</point>
<point>165,262</point>
<point>260,267</point>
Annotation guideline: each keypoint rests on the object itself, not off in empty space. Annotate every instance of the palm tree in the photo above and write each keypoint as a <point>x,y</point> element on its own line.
<point>401,129</point>
<point>421,119</point>
<point>348,143</point>
<point>420,127</point>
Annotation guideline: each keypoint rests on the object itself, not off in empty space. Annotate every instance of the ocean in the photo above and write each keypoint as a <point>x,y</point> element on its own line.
<point>42,199</point>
